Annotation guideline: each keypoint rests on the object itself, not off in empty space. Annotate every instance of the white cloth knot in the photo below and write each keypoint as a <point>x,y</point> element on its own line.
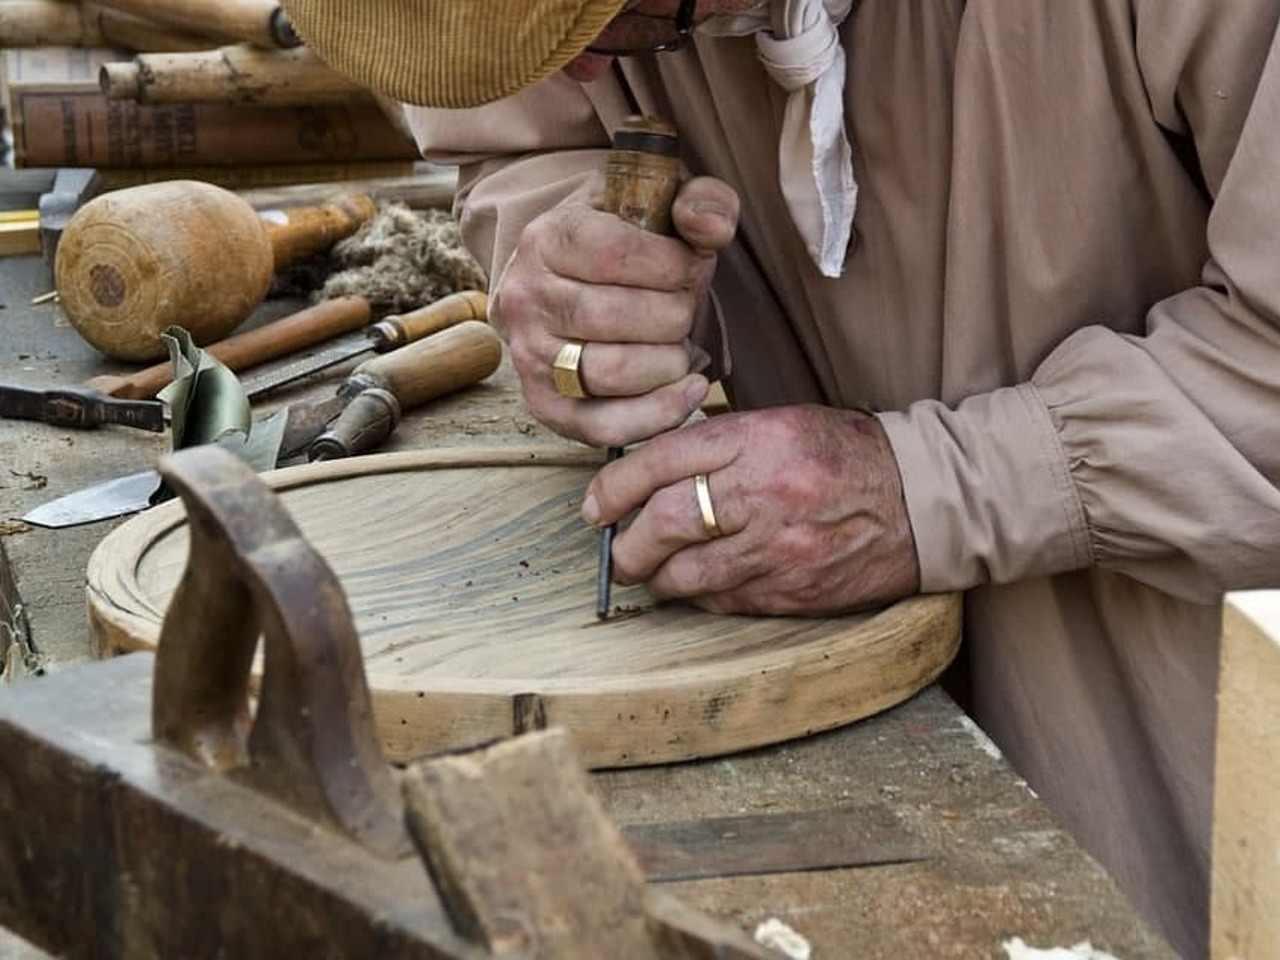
<point>797,61</point>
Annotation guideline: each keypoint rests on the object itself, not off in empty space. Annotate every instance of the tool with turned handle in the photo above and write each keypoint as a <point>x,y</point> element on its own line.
<point>389,333</point>
<point>641,177</point>
<point>381,389</point>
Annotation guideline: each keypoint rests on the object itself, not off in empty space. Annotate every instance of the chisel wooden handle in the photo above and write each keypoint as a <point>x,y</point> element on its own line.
<point>401,328</point>
<point>642,173</point>
<point>402,379</point>
<point>436,365</point>
<point>300,330</point>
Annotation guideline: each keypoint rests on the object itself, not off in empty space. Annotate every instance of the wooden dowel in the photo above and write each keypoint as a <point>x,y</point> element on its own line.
<point>290,334</point>
<point>125,31</point>
<point>300,232</point>
<point>259,22</point>
<point>238,73</point>
<point>63,23</point>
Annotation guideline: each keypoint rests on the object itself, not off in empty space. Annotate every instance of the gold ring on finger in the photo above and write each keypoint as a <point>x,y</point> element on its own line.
<point>564,371</point>
<point>703,490</point>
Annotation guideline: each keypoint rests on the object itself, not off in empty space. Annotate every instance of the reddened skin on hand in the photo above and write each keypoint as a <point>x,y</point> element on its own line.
<point>808,499</point>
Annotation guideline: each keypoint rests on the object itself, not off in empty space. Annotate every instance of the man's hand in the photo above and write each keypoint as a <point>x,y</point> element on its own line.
<point>630,296</point>
<point>809,504</point>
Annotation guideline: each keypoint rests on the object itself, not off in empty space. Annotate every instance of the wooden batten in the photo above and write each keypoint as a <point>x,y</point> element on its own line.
<point>1246,819</point>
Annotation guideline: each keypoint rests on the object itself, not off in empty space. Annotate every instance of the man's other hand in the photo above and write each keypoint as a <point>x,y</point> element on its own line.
<point>808,501</point>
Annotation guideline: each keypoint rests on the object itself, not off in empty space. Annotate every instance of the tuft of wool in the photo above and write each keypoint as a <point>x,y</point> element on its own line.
<point>403,259</point>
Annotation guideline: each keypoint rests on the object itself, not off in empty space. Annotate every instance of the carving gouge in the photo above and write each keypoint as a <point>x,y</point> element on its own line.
<point>80,407</point>
<point>387,334</point>
<point>369,403</point>
<point>642,174</point>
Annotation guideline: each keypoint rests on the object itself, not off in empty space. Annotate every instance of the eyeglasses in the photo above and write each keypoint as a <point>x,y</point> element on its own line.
<point>641,33</point>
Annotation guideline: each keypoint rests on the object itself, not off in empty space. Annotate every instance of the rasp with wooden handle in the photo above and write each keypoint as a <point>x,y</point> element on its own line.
<point>297,331</point>
<point>389,333</point>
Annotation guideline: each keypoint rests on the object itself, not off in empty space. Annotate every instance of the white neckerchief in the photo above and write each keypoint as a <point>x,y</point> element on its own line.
<point>798,43</point>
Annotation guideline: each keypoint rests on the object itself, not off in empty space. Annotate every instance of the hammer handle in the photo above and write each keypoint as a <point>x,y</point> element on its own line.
<point>300,232</point>
<point>300,330</point>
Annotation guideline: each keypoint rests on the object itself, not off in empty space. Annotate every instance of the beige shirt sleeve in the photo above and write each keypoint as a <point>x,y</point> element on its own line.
<point>516,159</point>
<point>1157,456</point>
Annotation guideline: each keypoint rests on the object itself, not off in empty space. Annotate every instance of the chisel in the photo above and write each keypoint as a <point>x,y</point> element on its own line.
<point>642,174</point>
<point>369,403</point>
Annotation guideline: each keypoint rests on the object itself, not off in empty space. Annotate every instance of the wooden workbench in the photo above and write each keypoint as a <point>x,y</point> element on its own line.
<point>998,866</point>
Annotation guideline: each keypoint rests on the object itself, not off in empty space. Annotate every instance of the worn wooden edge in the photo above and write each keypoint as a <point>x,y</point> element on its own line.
<point>760,701</point>
<point>755,705</point>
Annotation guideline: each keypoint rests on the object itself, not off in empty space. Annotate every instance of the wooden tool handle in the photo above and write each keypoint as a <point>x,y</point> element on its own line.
<point>398,329</point>
<point>642,173</point>
<point>300,232</point>
<point>436,365</point>
<point>300,330</point>
<point>367,420</point>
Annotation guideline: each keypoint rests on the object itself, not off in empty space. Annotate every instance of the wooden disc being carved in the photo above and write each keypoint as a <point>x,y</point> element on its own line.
<point>471,578</point>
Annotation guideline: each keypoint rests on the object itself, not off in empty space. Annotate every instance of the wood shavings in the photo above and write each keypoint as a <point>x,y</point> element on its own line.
<point>403,259</point>
<point>776,935</point>
<point>1016,949</point>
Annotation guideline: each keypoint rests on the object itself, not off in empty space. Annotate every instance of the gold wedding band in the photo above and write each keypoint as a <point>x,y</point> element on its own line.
<point>703,489</point>
<point>564,371</point>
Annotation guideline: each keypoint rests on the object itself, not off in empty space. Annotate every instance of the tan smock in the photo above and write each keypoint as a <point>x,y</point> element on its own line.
<point>1064,296</point>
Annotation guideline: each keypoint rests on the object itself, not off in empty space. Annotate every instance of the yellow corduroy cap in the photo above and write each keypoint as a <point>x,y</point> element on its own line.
<point>448,53</point>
